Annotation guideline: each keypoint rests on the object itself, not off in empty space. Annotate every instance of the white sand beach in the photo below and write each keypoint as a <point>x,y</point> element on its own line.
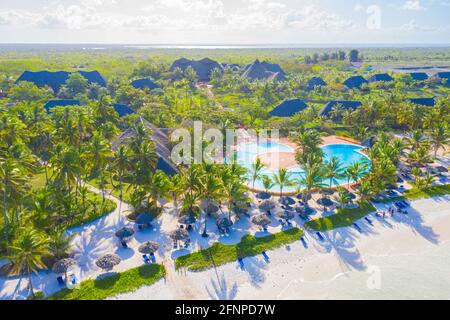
<point>408,255</point>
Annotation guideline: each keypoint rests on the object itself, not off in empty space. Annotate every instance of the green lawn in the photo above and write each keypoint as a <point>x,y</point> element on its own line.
<point>344,218</point>
<point>111,286</point>
<point>114,191</point>
<point>219,253</point>
<point>435,191</point>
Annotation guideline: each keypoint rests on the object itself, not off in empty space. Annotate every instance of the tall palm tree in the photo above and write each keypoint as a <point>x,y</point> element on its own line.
<point>99,151</point>
<point>12,182</point>
<point>440,136</point>
<point>416,139</point>
<point>312,178</point>
<point>333,170</point>
<point>256,171</point>
<point>356,170</point>
<point>121,165</point>
<point>267,183</point>
<point>27,253</point>
<point>283,178</point>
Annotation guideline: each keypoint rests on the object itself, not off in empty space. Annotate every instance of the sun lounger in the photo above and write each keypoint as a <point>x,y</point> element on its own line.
<point>405,203</point>
<point>357,227</point>
<point>60,280</point>
<point>302,239</point>
<point>368,220</point>
<point>74,279</point>
<point>152,257</point>
<point>175,244</point>
<point>146,259</point>
<point>124,244</point>
<point>319,235</point>
<point>265,229</point>
<point>241,263</point>
<point>187,243</point>
<point>281,222</point>
<point>288,222</point>
<point>266,257</point>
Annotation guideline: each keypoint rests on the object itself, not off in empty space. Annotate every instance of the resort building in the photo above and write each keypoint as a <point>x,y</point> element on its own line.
<point>344,104</point>
<point>288,108</point>
<point>203,67</point>
<point>315,82</point>
<point>61,103</point>
<point>144,84</point>
<point>56,79</point>
<point>264,71</point>
<point>355,82</point>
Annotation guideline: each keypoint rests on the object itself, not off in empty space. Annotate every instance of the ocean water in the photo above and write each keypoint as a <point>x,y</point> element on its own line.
<point>247,153</point>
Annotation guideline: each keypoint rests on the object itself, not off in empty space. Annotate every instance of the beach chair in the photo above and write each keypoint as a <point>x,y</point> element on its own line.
<point>319,235</point>
<point>368,220</point>
<point>302,239</point>
<point>124,244</point>
<point>281,222</point>
<point>152,257</point>
<point>175,244</point>
<point>357,227</point>
<point>146,259</point>
<point>265,228</point>
<point>187,243</point>
<point>241,263</point>
<point>266,257</point>
<point>74,279</point>
<point>405,203</point>
<point>288,222</point>
<point>60,280</point>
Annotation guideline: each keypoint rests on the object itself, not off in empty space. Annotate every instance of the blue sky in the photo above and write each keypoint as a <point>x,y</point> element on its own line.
<point>225,21</point>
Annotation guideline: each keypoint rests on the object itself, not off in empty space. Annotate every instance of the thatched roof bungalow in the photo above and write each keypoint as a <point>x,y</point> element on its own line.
<point>426,102</point>
<point>345,104</point>
<point>315,82</point>
<point>288,108</point>
<point>123,109</point>
<point>419,76</point>
<point>202,67</point>
<point>61,103</point>
<point>355,82</point>
<point>381,77</point>
<point>56,79</point>
<point>162,144</point>
<point>144,84</point>
<point>264,71</point>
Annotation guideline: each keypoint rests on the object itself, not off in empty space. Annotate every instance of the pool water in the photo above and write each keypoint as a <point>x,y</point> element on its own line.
<point>246,155</point>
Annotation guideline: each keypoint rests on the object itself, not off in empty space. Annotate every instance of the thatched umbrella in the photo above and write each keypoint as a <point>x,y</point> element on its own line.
<point>187,219</point>
<point>268,205</point>
<point>263,195</point>
<point>144,218</point>
<point>108,261</point>
<point>285,214</point>
<point>239,210</point>
<point>148,247</point>
<point>305,210</point>
<point>261,220</point>
<point>211,208</point>
<point>223,222</point>
<point>124,232</point>
<point>326,191</point>
<point>442,169</point>
<point>63,265</point>
<point>287,201</point>
<point>325,202</point>
<point>180,234</point>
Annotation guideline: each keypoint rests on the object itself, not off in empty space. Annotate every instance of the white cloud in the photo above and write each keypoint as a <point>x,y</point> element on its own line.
<point>312,19</point>
<point>358,8</point>
<point>413,5</point>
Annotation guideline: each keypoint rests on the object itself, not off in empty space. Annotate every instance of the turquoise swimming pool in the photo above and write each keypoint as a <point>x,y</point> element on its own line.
<point>247,153</point>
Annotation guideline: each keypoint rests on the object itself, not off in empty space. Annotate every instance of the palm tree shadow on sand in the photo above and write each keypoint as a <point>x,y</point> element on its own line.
<point>219,289</point>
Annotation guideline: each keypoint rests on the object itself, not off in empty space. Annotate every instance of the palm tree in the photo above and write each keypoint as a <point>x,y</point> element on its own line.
<point>333,170</point>
<point>13,182</point>
<point>440,136</point>
<point>256,171</point>
<point>283,179</point>
<point>267,183</point>
<point>27,253</point>
<point>365,190</point>
<point>355,171</point>
<point>120,165</point>
<point>416,139</point>
<point>177,188</point>
<point>312,178</point>
<point>99,151</point>
<point>59,243</point>
<point>211,189</point>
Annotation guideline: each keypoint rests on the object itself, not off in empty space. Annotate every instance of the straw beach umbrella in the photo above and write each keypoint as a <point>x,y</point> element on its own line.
<point>286,214</point>
<point>268,205</point>
<point>108,261</point>
<point>263,195</point>
<point>261,220</point>
<point>287,201</point>
<point>211,208</point>
<point>148,247</point>
<point>325,202</point>
<point>180,234</point>
<point>63,265</point>
<point>124,232</point>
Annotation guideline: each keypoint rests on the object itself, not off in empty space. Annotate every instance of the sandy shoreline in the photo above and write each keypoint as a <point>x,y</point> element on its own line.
<point>408,255</point>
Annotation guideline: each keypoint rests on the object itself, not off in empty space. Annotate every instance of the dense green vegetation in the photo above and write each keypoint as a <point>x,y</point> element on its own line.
<point>343,218</point>
<point>219,253</point>
<point>418,193</point>
<point>47,158</point>
<point>121,282</point>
